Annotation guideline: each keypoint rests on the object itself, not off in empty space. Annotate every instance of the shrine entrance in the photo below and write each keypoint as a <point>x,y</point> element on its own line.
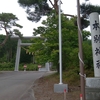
<point>19,44</point>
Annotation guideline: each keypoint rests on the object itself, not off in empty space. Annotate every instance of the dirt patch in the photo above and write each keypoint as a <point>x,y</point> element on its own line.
<point>44,90</point>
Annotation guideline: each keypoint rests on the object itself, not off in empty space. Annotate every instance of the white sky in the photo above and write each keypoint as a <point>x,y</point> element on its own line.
<point>11,6</point>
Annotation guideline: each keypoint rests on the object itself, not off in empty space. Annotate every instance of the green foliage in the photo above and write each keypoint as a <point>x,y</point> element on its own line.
<point>40,7</point>
<point>88,55</point>
<point>84,22</point>
<point>30,67</point>
<point>71,77</point>
<point>73,58</point>
<point>30,2</point>
<point>6,66</point>
<point>25,58</point>
<point>46,48</point>
<point>7,52</point>
<point>17,32</point>
<point>7,17</point>
<point>53,68</point>
<point>86,35</point>
<point>86,9</point>
<point>7,22</point>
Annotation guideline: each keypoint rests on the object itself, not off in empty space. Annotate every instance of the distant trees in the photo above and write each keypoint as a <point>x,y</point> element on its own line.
<point>7,22</point>
<point>7,52</point>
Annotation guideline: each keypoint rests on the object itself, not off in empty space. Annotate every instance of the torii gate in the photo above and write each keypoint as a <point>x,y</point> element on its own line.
<point>19,44</point>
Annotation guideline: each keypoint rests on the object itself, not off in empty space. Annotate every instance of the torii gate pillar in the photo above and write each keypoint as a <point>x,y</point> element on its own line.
<point>18,55</point>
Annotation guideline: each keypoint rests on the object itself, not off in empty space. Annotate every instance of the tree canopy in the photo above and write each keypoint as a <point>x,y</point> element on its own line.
<point>46,48</point>
<point>86,9</point>
<point>7,22</point>
<point>42,8</point>
<point>35,8</point>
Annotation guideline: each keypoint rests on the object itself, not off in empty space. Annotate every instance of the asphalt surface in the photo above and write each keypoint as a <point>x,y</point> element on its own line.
<point>18,85</point>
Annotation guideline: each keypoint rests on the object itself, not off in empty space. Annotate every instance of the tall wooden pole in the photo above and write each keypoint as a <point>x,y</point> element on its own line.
<point>82,80</point>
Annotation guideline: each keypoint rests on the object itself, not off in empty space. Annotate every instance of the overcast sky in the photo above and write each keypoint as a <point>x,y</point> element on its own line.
<point>11,6</point>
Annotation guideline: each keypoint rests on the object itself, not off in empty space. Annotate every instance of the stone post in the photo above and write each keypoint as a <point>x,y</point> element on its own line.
<point>92,88</point>
<point>95,35</point>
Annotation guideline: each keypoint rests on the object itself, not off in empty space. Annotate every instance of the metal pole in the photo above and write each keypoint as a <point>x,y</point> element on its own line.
<point>80,53</point>
<point>60,44</point>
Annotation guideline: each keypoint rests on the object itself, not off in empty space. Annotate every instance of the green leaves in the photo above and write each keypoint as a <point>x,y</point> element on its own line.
<point>85,10</point>
<point>88,58</point>
<point>30,2</point>
<point>7,22</point>
<point>35,8</point>
<point>46,48</point>
<point>7,17</point>
<point>17,32</point>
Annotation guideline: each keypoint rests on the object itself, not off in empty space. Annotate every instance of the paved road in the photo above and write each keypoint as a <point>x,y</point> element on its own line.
<point>18,85</point>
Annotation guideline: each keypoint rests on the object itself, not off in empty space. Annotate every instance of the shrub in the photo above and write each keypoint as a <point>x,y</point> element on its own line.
<point>30,67</point>
<point>6,66</point>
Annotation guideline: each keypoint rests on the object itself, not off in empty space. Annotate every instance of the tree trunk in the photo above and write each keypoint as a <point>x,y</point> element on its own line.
<point>56,5</point>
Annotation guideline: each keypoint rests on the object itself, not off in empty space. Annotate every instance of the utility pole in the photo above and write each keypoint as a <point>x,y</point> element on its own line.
<point>60,44</point>
<point>82,80</point>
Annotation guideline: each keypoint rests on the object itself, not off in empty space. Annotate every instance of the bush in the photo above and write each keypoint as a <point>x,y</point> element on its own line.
<point>6,66</point>
<point>30,67</point>
<point>71,75</point>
